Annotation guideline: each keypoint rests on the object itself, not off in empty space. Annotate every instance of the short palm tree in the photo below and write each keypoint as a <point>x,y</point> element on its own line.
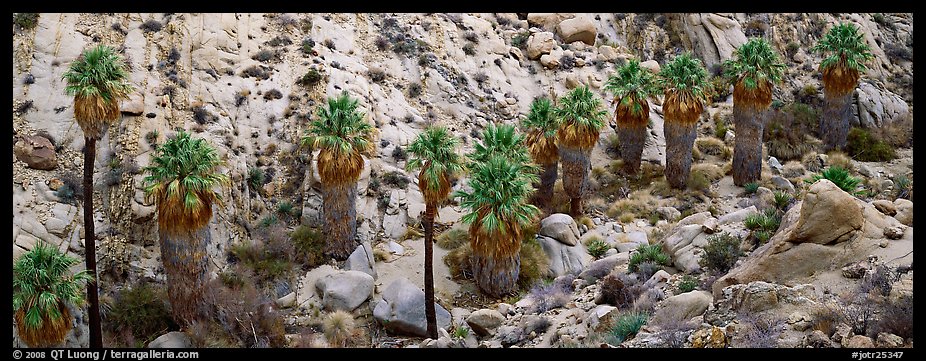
<point>541,125</point>
<point>632,85</point>
<point>684,81</point>
<point>181,180</point>
<point>752,71</point>
<point>343,137</point>
<point>498,210</point>
<point>846,53</point>
<point>581,117</point>
<point>435,156</point>
<point>42,287</point>
<point>98,80</point>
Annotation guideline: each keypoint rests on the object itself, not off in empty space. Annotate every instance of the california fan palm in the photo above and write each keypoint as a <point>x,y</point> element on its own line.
<point>541,125</point>
<point>581,117</point>
<point>632,85</point>
<point>435,156</point>
<point>846,53</point>
<point>752,71</point>
<point>343,138</point>
<point>684,81</point>
<point>181,180</point>
<point>98,81</point>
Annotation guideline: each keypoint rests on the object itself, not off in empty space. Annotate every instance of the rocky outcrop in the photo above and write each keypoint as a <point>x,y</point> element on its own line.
<point>712,37</point>
<point>878,107</point>
<point>37,152</point>
<point>683,307</point>
<point>564,259</point>
<point>828,215</point>
<point>560,227</point>
<point>401,310</point>
<point>579,28</point>
<point>540,43</point>
<point>345,290</point>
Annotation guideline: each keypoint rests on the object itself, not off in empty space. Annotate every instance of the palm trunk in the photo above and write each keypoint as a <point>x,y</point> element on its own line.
<point>497,277</point>
<point>93,299</point>
<point>429,311</point>
<point>632,137</point>
<point>679,140</point>
<point>545,189</point>
<point>834,124</point>
<point>747,153</point>
<point>340,211</point>
<point>185,263</point>
<point>576,166</point>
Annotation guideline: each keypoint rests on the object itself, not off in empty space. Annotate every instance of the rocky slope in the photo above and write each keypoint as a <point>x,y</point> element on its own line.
<point>249,82</point>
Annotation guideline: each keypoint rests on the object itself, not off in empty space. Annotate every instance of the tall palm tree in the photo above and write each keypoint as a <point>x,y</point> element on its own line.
<point>498,211</point>
<point>181,180</point>
<point>541,125</point>
<point>98,81</point>
<point>684,81</point>
<point>42,287</point>
<point>846,53</point>
<point>343,137</point>
<point>581,116</point>
<point>436,158</point>
<point>753,70</point>
<point>632,85</point>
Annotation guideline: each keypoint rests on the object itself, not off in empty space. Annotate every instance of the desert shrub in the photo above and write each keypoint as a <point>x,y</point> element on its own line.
<point>267,264</point>
<point>787,129</point>
<point>285,208</point>
<point>399,154</point>
<point>882,20</point>
<point>759,331</point>
<point>469,49</point>
<point>897,134</point>
<point>674,328</point>
<point>714,146</point>
<point>618,290</point>
<point>519,40</point>
<point>381,43</point>
<point>376,75</point>
<point>255,71</point>
<point>310,79</point>
<point>308,45</point>
<point>720,127</point>
<point>309,245</point>
<point>721,252</point>
<point>864,146</point>
<point>839,159</point>
<point>26,20</point>
<point>66,194</point>
<point>648,253</point>
<point>140,311</point>
<point>480,77</point>
<point>687,284</point>
<point>244,315</point>
<point>460,332</point>
<point>273,94</point>
<point>201,115</point>
<point>751,187</point>
<point>279,41</point>
<point>209,334</point>
<point>414,90</point>
<point>534,263</point>
<point>903,187</point>
<point>792,48</point>
<point>452,238</point>
<point>548,296</point>
<point>597,247</point>
<point>256,177</point>
<point>824,320</point>
<point>459,261</point>
<point>151,26</point>
<point>840,177</point>
<point>782,200</point>
<point>719,88</point>
<point>897,317</point>
<point>339,326</point>
<point>626,326</point>
<point>567,62</point>
<point>395,179</point>
<point>612,146</point>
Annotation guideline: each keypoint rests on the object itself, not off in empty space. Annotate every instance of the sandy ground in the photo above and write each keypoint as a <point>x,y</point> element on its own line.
<point>411,266</point>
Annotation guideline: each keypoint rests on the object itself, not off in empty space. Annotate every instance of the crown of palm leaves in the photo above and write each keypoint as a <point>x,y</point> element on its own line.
<point>632,85</point>
<point>435,153</point>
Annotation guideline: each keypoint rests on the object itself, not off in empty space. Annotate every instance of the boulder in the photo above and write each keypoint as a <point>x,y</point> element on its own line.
<point>345,290</point>
<point>681,237</point>
<point>889,340</point>
<point>485,321</point>
<point>362,260</point>
<point>134,105</point>
<point>37,152</point>
<point>879,107</point>
<point>549,61</point>
<point>564,259</point>
<point>668,213</point>
<point>683,307</point>
<point>737,216</point>
<point>904,211</point>
<point>579,28</point>
<point>652,65</point>
<point>560,227</point>
<point>782,184</point>
<point>173,339</point>
<point>894,232</point>
<point>599,318</point>
<point>885,206</point>
<point>402,310</point>
<point>859,341</point>
<point>828,215</point>
<point>775,165</point>
<point>712,36</point>
<point>547,21</point>
<point>539,44</point>
<point>697,218</point>
<point>606,53</point>
<point>286,301</point>
<point>602,267</point>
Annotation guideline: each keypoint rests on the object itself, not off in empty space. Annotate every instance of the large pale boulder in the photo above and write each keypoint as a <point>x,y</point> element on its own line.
<point>345,290</point>
<point>878,107</point>
<point>564,259</point>
<point>402,310</point>
<point>173,339</point>
<point>828,215</point>
<point>37,152</point>
<point>560,227</point>
<point>485,321</point>
<point>904,211</point>
<point>683,306</point>
<point>547,21</point>
<point>579,28</point>
<point>539,44</point>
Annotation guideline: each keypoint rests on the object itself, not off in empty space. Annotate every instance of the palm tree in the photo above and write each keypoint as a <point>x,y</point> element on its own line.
<point>435,155</point>
<point>684,81</point>
<point>498,211</point>
<point>98,81</point>
<point>42,287</point>
<point>631,86</point>
<point>753,69</point>
<point>343,137</point>
<point>581,116</point>
<point>181,179</point>
<point>540,125</point>
<point>846,53</point>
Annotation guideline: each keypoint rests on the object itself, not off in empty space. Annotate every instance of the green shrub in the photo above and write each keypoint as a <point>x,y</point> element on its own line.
<point>269,220</point>
<point>519,40</point>
<point>256,178</point>
<point>66,194</point>
<point>782,200</point>
<point>648,253</point>
<point>285,208</point>
<point>142,312</point>
<point>26,20</point>
<point>751,187</point>
<point>767,222</point>
<point>787,130</point>
<point>596,247</point>
<point>469,49</point>
<point>395,179</point>
<point>840,177</point>
<point>534,263</point>
<point>266,264</point>
<point>309,244</point>
<point>687,284</point>
<point>864,146</point>
<point>626,326</point>
<point>310,79</point>
<point>452,238</point>
<point>461,332</point>
<point>721,252</point>
<point>720,128</point>
<point>903,187</point>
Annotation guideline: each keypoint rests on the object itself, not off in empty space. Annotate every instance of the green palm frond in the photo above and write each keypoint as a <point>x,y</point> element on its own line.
<point>500,191</point>
<point>42,280</point>
<point>632,85</point>
<point>844,47</point>
<point>185,171</point>
<point>581,110</point>
<point>754,63</point>
<point>435,150</point>
<point>686,76</point>
<point>341,127</point>
<point>500,139</point>
<point>540,117</point>
<point>98,72</point>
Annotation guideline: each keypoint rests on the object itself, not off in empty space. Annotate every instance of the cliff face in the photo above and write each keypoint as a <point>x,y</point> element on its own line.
<point>239,80</point>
